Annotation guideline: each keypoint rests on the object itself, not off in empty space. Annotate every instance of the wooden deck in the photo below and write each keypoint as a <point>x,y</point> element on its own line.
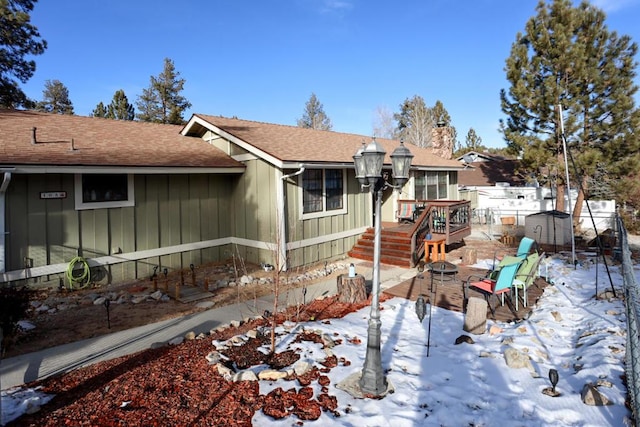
<point>449,294</point>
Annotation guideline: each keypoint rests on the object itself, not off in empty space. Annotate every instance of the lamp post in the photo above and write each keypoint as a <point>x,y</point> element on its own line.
<point>368,162</point>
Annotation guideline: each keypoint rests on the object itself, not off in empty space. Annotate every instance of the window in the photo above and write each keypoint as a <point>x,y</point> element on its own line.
<point>96,191</point>
<point>312,191</point>
<point>420,185</point>
<point>333,184</point>
<point>431,185</point>
<point>323,191</point>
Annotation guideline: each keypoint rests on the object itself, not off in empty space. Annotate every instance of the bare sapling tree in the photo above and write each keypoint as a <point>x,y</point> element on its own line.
<point>279,265</point>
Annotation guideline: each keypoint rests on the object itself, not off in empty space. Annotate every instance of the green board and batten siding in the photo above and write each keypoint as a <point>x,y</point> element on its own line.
<point>255,214</point>
<point>169,210</point>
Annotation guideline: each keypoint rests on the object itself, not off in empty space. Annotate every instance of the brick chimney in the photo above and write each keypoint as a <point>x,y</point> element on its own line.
<point>442,141</point>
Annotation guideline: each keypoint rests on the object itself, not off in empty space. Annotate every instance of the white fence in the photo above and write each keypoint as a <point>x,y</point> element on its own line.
<point>494,203</point>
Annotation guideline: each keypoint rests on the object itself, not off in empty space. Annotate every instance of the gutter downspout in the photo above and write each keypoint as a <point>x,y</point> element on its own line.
<point>3,190</point>
<point>281,211</point>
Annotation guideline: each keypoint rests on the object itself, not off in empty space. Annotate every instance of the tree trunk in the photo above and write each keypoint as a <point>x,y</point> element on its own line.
<point>577,211</point>
<point>560,195</point>
<point>559,168</point>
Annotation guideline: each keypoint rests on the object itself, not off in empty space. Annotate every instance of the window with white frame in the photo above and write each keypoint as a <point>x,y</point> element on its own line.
<point>431,185</point>
<point>97,191</point>
<point>323,192</point>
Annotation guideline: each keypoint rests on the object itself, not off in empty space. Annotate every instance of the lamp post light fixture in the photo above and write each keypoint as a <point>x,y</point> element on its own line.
<point>368,162</point>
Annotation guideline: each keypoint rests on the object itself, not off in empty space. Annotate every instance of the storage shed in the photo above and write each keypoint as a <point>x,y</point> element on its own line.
<point>549,227</point>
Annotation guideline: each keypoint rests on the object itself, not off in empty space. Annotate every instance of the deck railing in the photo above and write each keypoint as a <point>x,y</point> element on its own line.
<point>446,218</point>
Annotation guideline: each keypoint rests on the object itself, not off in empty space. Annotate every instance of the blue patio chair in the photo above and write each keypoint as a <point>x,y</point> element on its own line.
<point>524,248</point>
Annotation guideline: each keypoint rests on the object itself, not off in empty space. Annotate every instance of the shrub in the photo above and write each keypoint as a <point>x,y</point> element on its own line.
<point>14,302</point>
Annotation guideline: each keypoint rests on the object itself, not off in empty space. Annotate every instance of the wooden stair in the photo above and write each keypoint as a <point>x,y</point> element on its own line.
<point>395,247</point>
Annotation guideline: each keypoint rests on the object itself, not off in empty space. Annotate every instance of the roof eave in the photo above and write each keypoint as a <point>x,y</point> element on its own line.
<point>136,170</point>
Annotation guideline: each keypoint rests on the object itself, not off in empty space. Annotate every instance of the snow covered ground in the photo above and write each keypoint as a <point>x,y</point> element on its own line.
<point>470,384</point>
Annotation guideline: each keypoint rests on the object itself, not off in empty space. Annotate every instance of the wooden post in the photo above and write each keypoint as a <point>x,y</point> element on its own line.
<point>155,284</point>
<point>351,289</point>
<point>469,256</point>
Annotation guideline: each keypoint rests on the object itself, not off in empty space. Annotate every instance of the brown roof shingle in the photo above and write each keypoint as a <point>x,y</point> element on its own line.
<point>490,172</point>
<point>296,144</point>
<point>101,142</point>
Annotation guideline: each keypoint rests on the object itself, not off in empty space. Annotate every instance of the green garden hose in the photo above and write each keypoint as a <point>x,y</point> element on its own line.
<point>84,278</point>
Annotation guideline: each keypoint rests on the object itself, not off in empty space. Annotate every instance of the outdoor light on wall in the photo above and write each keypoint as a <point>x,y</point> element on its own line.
<point>368,163</point>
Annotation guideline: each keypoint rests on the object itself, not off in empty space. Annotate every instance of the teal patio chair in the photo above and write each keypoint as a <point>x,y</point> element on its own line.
<point>524,248</point>
<point>498,286</point>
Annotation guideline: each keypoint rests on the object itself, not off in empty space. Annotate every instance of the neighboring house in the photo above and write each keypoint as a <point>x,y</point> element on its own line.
<point>131,196</point>
<point>482,169</point>
<point>496,189</point>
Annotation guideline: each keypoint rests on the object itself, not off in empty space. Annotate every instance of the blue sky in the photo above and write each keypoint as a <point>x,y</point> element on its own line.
<point>261,60</point>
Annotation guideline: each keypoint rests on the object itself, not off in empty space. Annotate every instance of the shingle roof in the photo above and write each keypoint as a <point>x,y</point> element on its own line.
<point>101,142</point>
<point>296,144</point>
<point>486,173</point>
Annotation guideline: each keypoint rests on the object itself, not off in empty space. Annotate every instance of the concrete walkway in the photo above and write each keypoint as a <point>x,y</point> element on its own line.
<point>25,368</point>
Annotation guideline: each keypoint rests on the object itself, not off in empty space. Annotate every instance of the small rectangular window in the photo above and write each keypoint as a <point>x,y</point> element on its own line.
<point>104,188</point>
<point>96,191</point>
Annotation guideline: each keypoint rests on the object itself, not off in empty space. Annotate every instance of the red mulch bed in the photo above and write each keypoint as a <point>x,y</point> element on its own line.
<point>176,385</point>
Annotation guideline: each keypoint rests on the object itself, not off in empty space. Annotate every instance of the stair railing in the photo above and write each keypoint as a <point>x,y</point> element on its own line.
<point>445,217</point>
<point>419,233</point>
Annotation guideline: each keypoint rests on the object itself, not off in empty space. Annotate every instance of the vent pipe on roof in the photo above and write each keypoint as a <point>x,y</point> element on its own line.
<point>33,135</point>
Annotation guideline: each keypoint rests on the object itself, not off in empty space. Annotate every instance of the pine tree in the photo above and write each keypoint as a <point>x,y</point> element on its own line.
<point>100,111</point>
<point>568,60</point>
<point>120,109</point>
<point>19,40</point>
<point>473,142</point>
<point>55,98</point>
<point>314,116</point>
<point>161,102</point>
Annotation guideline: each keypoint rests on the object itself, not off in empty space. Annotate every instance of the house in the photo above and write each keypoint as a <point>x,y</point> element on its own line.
<point>482,169</point>
<point>133,197</point>
<point>497,189</point>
